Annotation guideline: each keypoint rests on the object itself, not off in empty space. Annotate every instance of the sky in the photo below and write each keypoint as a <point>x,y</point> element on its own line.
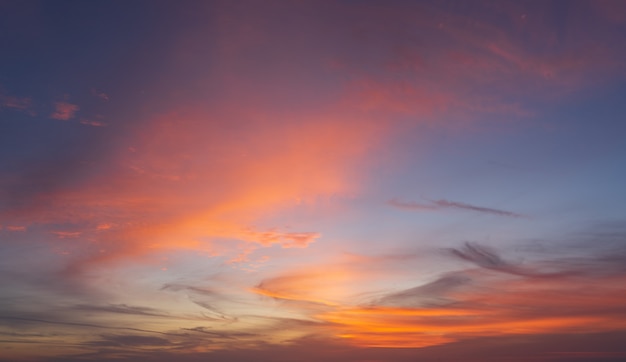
<point>347,180</point>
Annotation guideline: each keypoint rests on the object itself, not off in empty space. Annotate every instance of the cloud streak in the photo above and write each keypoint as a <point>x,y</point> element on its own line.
<point>17,103</point>
<point>445,204</point>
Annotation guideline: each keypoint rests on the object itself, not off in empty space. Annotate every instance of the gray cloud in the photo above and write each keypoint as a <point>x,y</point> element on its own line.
<point>122,309</point>
<point>488,258</point>
<point>129,340</point>
<point>410,205</point>
<point>429,294</point>
<point>206,298</point>
<point>22,320</point>
<point>433,205</point>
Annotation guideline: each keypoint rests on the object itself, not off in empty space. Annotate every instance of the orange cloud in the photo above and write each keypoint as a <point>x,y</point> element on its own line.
<point>492,316</point>
<point>187,180</point>
<point>285,239</point>
<point>320,287</point>
<point>339,282</point>
<point>497,299</point>
<point>66,234</point>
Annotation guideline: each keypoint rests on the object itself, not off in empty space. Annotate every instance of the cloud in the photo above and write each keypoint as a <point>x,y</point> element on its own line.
<point>445,204</point>
<point>206,298</point>
<point>285,239</point>
<point>99,94</point>
<point>459,205</point>
<point>555,294</point>
<point>483,257</point>
<point>220,334</point>
<point>129,340</point>
<point>427,295</point>
<point>606,347</point>
<point>550,296</point>
<point>66,234</point>
<point>19,321</point>
<point>349,277</point>
<point>306,287</point>
<point>202,291</point>
<point>64,111</point>
<point>206,171</point>
<point>471,68</point>
<point>92,123</point>
<point>489,259</point>
<point>249,170</point>
<point>122,309</point>
<point>409,205</point>
<point>345,277</point>
<point>22,104</point>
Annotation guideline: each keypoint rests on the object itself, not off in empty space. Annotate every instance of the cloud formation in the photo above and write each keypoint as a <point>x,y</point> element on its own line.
<point>219,200</point>
<point>11,102</point>
<point>498,298</point>
<point>64,111</point>
<point>445,204</point>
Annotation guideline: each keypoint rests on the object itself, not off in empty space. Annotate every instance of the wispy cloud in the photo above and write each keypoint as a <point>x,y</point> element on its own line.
<point>100,94</point>
<point>124,340</point>
<point>489,259</point>
<point>122,309</point>
<point>28,320</point>
<point>206,298</point>
<point>22,104</point>
<point>13,227</point>
<point>427,295</point>
<point>445,204</point>
<point>66,234</point>
<point>541,296</point>
<point>285,239</point>
<point>410,205</point>
<point>88,122</point>
<point>264,130</point>
<point>64,111</point>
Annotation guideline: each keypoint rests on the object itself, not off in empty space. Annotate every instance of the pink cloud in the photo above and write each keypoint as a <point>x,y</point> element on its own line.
<point>64,111</point>
<point>23,104</point>
<point>15,102</point>
<point>471,65</point>
<point>15,228</point>
<point>194,180</point>
<point>199,173</point>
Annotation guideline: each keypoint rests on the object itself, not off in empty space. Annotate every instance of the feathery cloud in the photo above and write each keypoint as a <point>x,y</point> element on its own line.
<point>445,204</point>
<point>64,111</point>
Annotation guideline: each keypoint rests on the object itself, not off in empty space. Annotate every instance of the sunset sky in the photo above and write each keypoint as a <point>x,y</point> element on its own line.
<point>349,180</point>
